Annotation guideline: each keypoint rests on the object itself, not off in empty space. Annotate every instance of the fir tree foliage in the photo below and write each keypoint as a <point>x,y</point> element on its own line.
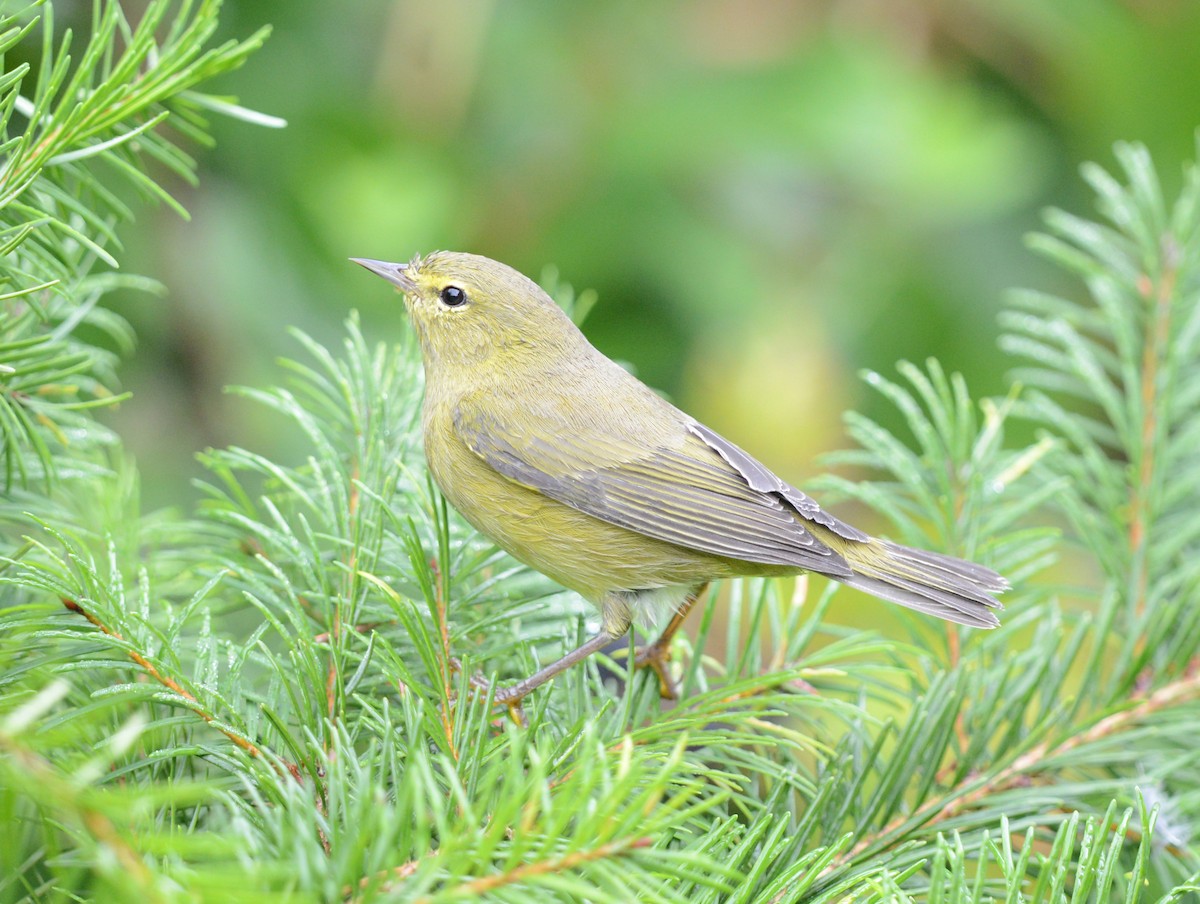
<point>272,698</point>
<point>88,119</point>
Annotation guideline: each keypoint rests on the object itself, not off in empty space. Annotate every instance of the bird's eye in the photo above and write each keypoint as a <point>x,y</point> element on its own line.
<point>453,296</point>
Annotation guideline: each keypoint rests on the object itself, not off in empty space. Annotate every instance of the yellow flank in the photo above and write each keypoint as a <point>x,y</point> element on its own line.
<point>544,533</point>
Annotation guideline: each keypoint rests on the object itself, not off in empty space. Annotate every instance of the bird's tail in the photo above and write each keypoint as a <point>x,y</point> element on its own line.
<point>950,588</point>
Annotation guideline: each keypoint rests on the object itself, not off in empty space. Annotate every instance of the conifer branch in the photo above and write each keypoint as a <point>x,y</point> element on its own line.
<point>447,662</point>
<point>535,869</point>
<point>192,703</point>
<point>973,789</point>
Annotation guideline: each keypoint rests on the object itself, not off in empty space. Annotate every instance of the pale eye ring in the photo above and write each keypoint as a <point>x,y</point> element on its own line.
<point>453,296</point>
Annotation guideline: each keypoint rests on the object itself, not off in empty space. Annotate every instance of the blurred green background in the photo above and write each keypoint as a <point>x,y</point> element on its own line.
<point>767,195</point>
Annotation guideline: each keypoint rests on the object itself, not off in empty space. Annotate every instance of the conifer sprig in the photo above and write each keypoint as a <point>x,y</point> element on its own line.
<point>92,108</point>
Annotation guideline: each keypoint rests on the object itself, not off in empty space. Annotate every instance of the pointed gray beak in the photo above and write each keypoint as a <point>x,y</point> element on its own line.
<point>393,273</point>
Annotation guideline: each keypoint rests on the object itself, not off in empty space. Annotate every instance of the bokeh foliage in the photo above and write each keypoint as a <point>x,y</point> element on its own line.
<point>767,195</point>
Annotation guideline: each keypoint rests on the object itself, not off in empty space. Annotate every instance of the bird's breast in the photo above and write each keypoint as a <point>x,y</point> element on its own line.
<point>582,553</point>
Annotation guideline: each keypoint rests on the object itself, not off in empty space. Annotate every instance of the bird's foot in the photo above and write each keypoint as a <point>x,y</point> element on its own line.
<point>657,657</point>
<point>509,697</point>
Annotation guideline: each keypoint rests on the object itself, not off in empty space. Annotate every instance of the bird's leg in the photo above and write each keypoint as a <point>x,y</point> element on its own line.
<point>656,655</point>
<point>512,695</point>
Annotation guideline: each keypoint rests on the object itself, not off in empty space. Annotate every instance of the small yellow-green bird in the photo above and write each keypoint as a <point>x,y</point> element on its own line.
<point>582,472</point>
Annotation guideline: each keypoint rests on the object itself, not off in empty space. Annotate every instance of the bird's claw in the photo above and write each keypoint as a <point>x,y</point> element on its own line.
<point>504,696</point>
<point>508,696</point>
<point>657,657</point>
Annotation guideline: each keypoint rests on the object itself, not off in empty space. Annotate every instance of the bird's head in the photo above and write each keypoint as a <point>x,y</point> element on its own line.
<point>470,310</point>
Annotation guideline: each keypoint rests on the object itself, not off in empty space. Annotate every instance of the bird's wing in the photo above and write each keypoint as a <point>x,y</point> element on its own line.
<point>700,491</point>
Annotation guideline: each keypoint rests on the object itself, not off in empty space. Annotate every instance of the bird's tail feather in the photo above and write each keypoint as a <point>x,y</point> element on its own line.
<point>950,588</point>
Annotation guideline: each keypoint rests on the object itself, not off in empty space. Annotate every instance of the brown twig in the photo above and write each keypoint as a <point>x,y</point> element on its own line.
<point>1157,336</point>
<point>439,598</point>
<point>954,641</point>
<point>171,684</point>
<point>387,876</point>
<point>331,679</point>
<point>473,887</point>
<point>484,884</point>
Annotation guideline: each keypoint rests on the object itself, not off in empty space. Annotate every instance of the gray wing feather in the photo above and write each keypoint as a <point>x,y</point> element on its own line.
<point>759,478</point>
<point>722,504</point>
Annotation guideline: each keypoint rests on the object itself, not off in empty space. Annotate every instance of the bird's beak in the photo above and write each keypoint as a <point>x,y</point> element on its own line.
<point>393,273</point>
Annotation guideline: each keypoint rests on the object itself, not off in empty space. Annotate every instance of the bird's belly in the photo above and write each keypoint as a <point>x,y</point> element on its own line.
<point>577,550</point>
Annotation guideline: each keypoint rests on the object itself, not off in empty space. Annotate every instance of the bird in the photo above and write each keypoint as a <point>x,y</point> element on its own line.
<point>579,470</point>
